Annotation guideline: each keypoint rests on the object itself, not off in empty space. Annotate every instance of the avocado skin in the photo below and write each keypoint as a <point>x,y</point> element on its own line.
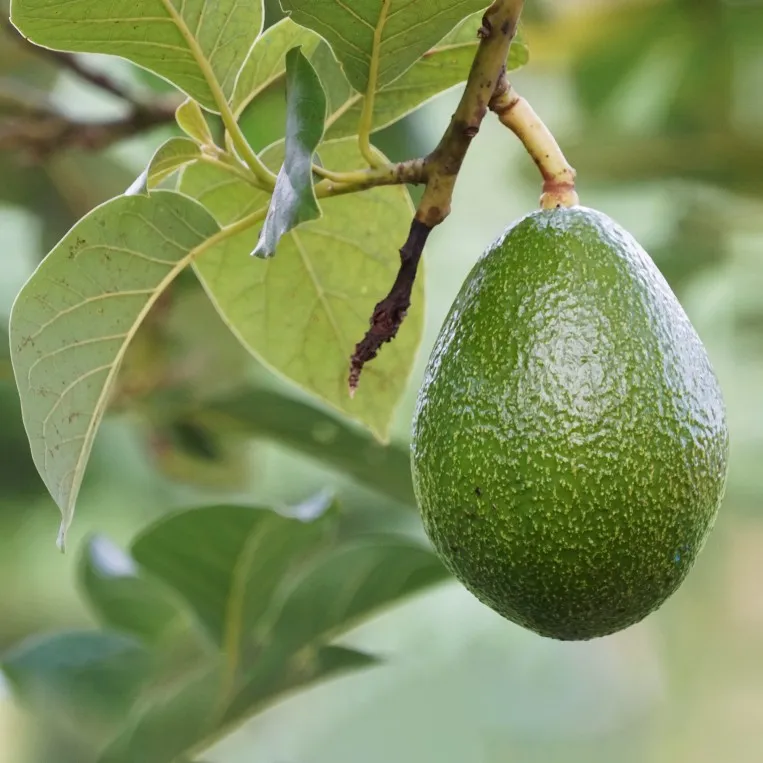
<point>570,446</point>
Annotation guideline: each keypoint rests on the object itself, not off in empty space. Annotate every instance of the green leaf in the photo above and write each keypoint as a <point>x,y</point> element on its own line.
<point>323,437</point>
<point>338,89</point>
<point>352,583</point>
<point>266,62</point>
<point>294,201</point>
<point>79,678</point>
<point>226,562</point>
<point>405,29</point>
<point>188,720</point>
<point>72,322</point>
<point>193,123</point>
<point>199,449</point>
<point>440,69</point>
<point>123,598</point>
<point>170,157</point>
<point>278,672</point>
<point>171,724</point>
<point>197,45</point>
<point>330,272</point>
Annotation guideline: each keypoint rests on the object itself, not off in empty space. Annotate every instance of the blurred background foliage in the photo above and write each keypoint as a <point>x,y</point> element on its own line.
<point>658,105</point>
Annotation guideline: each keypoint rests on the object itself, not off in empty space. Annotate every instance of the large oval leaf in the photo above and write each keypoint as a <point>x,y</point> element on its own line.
<point>199,46</point>
<point>442,67</point>
<point>393,34</point>
<point>266,62</point>
<point>72,322</point>
<point>302,312</point>
<point>86,680</point>
<point>226,562</point>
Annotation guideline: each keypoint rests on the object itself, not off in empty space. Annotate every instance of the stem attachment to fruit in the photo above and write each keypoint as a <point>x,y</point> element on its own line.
<point>440,170</point>
<point>518,115</point>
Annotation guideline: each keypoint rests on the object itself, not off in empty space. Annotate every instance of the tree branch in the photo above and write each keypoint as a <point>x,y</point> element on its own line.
<point>36,129</point>
<point>499,26</point>
<point>43,132</point>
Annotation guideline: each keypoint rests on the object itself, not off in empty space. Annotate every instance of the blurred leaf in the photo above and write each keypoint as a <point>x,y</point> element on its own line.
<point>293,202</point>
<point>226,562</point>
<point>273,676</point>
<point>323,437</point>
<point>351,584</point>
<point>606,64</point>
<point>74,319</point>
<point>198,47</point>
<point>201,449</point>
<point>79,678</point>
<point>441,68</point>
<point>193,123</point>
<point>190,719</point>
<point>730,159</point>
<point>124,599</point>
<point>170,725</point>
<point>330,272</point>
<point>405,30</point>
<point>266,62</point>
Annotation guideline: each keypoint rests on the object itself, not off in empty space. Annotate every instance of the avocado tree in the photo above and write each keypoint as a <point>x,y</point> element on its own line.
<point>294,233</point>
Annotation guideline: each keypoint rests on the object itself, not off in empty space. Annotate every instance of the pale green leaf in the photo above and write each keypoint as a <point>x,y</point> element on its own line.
<point>294,201</point>
<point>193,123</point>
<point>226,562</point>
<point>441,68</point>
<point>266,62</point>
<point>72,322</point>
<point>406,29</point>
<point>170,157</point>
<point>338,89</point>
<point>199,46</point>
<point>302,312</point>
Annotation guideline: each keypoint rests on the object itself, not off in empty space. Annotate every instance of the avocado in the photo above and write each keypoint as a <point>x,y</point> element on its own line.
<point>570,446</point>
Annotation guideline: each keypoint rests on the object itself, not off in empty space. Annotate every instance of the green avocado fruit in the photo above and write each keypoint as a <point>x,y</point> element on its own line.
<point>570,446</point>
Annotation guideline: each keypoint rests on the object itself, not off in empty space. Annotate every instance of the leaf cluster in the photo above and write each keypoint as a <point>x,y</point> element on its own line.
<point>211,615</point>
<point>208,200</point>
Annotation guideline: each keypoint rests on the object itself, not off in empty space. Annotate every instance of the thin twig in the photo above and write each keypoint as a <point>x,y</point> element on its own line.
<point>36,129</point>
<point>499,26</point>
<point>42,133</point>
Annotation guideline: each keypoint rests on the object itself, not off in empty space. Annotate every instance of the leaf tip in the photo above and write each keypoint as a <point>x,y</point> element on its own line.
<point>61,537</point>
<point>139,186</point>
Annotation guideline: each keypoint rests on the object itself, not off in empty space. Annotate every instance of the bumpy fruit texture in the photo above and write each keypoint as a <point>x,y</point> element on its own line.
<point>570,444</point>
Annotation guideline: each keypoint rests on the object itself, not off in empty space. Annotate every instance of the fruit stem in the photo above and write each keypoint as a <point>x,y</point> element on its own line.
<point>519,116</point>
